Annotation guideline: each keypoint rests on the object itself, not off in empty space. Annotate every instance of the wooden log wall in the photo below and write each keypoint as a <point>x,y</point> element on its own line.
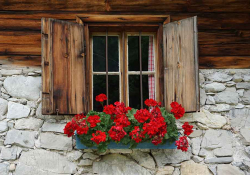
<point>223,25</point>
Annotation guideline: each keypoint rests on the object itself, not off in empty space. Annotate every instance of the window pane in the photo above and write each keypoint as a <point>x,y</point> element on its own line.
<point>133,53</point>
<point>114,89</point>
<point>99,53</point>
<point>134,89</point>
<point>99,86</point>
<point>113,53</point>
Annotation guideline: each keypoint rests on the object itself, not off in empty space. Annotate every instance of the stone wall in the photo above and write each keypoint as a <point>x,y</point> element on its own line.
<point>31,143</point>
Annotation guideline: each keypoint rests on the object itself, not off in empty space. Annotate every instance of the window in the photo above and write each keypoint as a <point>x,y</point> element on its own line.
<point>132,88</point>
<point>163,66</point>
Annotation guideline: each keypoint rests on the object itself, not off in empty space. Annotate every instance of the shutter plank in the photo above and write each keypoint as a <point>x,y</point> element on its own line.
<point>67,68</point>
<point>181,64</point>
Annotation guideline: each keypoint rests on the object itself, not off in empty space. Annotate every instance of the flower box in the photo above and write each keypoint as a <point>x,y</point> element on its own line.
<point>113,145</point>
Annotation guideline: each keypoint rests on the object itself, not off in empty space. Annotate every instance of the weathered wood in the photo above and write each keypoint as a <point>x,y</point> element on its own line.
<point>224,62</point>
<point>131,5</point>
<point>22,60</point>
<point>66,65</point>
<point>180,64</point>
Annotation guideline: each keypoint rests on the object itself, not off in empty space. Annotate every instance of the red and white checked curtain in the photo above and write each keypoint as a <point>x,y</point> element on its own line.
<point>151,78</point>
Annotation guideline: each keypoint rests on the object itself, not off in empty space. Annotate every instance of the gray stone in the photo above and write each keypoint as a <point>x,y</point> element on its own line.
<point>210,100</point>
<point>228,170</point>
<point>213,169</point>
<point>220,108</point>
<point>22,138</point>
<point>230,84</point>
<point>227,96</point>
<point>41,162</point>
<point>196,145</point>
<point>237,78</point>
<point>90,156</point>
<point>196,133</point>
<point>215,87</point>
<point>201,78</point>
<point>216,139</point>
<point>166,170</point>
<point>4,96</point>
<point>203,97</point>
<point>206,152</point>
<point>53,127</point>
<point>12,167</point>
<point>57,142</point>
<point>31,104</point>
<point>16,110</point>
<point>123,151</point>
<point>85,162</point>
<point>7,72</point>
<point>3,106</point>
<point>23,87</point>
<point>144,159</point>
<point>240,92</point>
<point>21,101</point>
<point>219,160</point>
<point>240,118</point>
<point>220,77</point>
<point>246,97</point>
<point>28,123</point>
<point>4,170</point>
<point>245,132</point>
<point>3,126</point>
<point>197,159</point>
<point>247,149</point>
<point>176,171</point>
<point>239,106</point>
<point>74,155</point>
<point>225,151</point>
<point>9,153</point>
<point>163,157</point>
<point>206,118</point>
<point>246,77</point>
<point>192,168</point>
<point>243,85</point>
<point>116,164</point>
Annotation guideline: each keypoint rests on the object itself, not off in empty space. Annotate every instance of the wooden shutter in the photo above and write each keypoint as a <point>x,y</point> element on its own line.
<point>63,67</point>
<point>180,49</point>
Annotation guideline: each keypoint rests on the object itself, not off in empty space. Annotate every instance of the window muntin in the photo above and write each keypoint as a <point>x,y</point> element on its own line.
<point>132,73</point>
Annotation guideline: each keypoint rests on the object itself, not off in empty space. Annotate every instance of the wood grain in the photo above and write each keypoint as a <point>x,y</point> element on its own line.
<point>180,64</point>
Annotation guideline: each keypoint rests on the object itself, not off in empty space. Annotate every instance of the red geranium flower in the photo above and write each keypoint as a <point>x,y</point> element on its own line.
<point>156,127</point>
<point>69,129</point>
<point>82,128</point>
<point>188,129</point>
<point>120,108</point>
<point>136,135</point>
<point>157,140</point>
<point>177,110</point>
<point>101,97</point>
<point>93,120</point>
<point>182,143</point>
<point>109,109</point>
<point>150,102</point>
<point>156,112</point>
<point>122,120</point>
<point>98,137</point>
<point>142,115</point>
<point>117,133</point>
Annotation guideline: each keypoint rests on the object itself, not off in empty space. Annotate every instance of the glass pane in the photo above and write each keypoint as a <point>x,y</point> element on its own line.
<point>99,86</point>
<point>99,53</point>
<point>114,89</point>
<point>133,53</point>
<point>113,53</point>
<point>134,89</point>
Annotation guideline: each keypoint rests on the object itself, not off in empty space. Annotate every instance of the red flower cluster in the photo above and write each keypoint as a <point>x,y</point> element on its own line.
<point>188,129</point>
<point>93,120</point>
<point>142,115</point>
<point>98,137</point>
<point>109,109</point>
<point>121,120</point>
<point>151,102</point>
<point>136,135</point>
<point>101,97</point>
<point>177,110</point>
<point>182,143</point>
<point>78,123</point>
<point>117,133</point>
